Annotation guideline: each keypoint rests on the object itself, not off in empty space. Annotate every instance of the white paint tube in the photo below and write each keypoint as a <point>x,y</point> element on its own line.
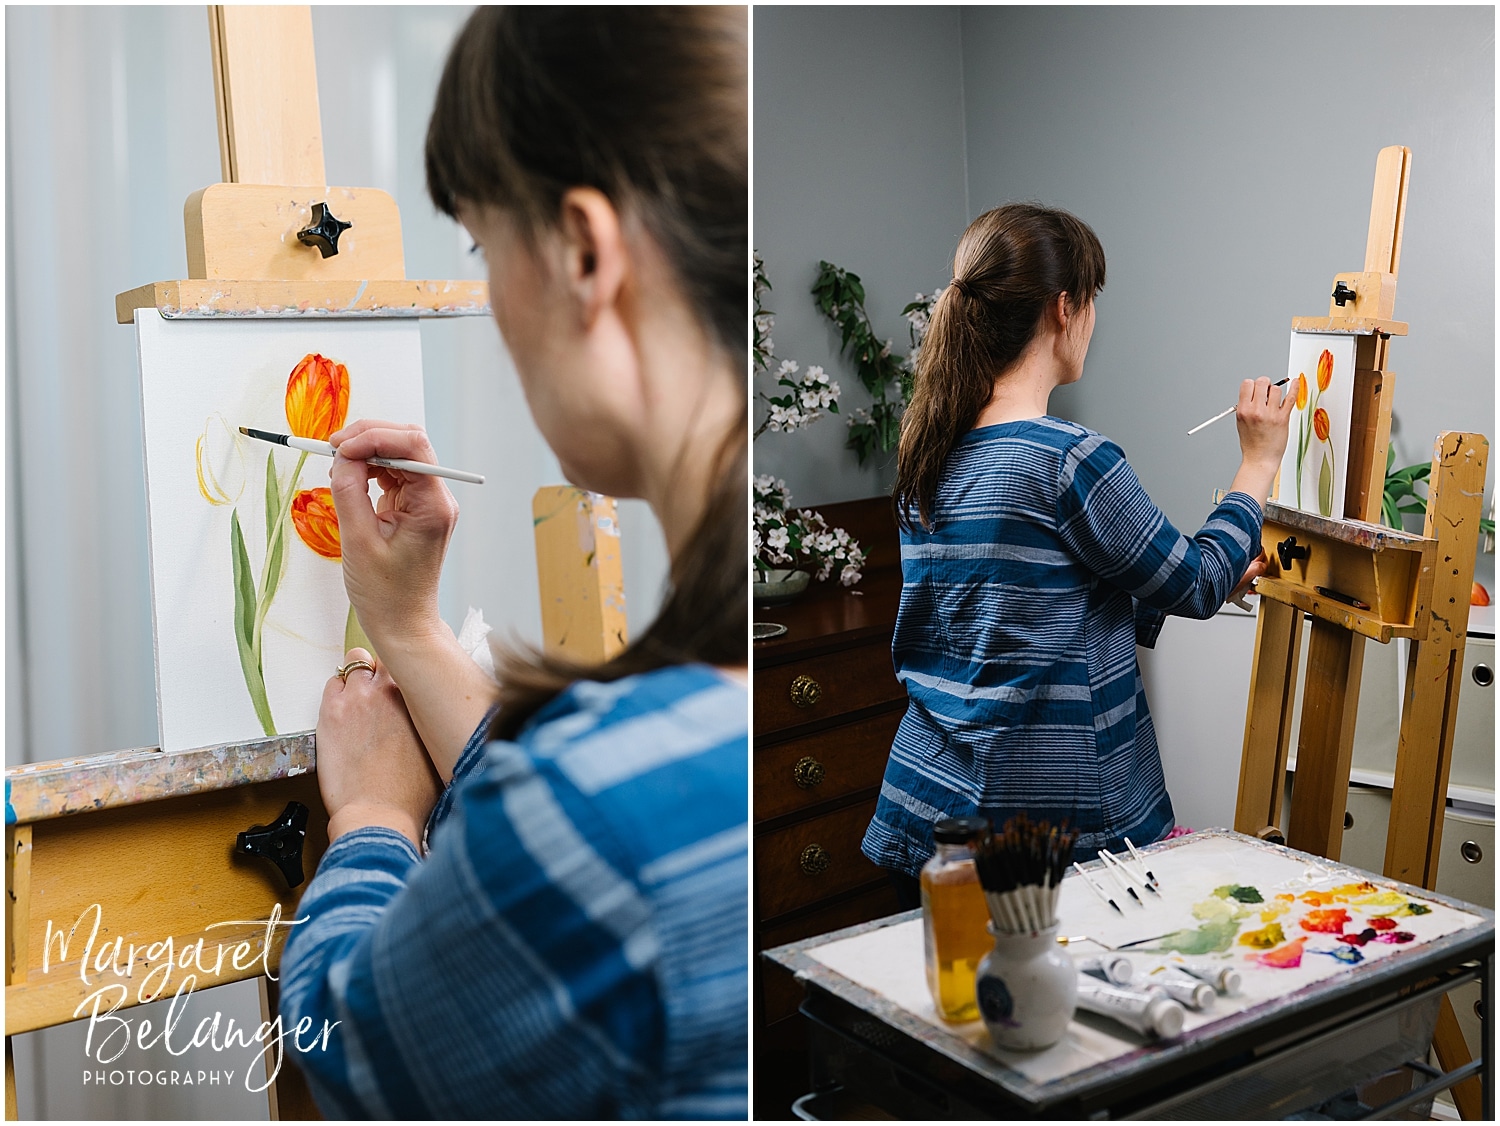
<point>1224,979</point>
<point>1150,1013</point>
<point>1197,995</point>
<point>1113,968</point>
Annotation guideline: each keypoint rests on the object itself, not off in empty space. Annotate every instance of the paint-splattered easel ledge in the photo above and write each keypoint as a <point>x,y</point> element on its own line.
<point>43,790</point>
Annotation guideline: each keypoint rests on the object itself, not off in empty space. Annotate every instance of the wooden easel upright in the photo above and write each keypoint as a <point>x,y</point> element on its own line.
<point>148,836</point>
<point>1416,587</point>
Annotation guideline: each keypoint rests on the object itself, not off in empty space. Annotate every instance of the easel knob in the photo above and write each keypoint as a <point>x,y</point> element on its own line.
<point>324,232</point>
<point>1342,295</point>
<point>279,842</point>
<point>1287,550</point>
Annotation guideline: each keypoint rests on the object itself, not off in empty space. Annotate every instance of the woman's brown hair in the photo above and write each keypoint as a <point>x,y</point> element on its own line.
<point>648,106</point>
<point>1011,263</point>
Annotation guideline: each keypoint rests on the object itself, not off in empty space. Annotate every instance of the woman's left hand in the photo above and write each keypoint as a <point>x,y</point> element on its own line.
<point>1246,585</point>
<point>372,767</point>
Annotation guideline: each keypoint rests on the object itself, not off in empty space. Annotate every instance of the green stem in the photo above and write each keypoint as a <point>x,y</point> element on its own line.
<point>262,603</point>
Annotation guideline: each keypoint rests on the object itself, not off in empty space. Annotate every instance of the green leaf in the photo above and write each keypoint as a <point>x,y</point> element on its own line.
<point>273,495</point>
<point>354,634</point>
<point>244,625</point>
<point>1325,487</point>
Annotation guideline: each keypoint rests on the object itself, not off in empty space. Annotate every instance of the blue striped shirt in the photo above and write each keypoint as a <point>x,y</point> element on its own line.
<point>574,943</point>
<point>1016,633</point>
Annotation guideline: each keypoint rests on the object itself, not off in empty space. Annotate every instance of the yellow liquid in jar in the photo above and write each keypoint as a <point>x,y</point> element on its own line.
<point>954,916</point>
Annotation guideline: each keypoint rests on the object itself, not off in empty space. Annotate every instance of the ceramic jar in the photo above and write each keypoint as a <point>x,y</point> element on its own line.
<point>1027,990</point>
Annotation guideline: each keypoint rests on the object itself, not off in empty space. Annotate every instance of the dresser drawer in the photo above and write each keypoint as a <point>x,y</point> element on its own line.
<point>820,687</point>
<point>823,767</point>
<point>804,863</point>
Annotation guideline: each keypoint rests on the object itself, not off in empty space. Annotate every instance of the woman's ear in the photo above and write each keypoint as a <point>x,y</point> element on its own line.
<point>594,250</point>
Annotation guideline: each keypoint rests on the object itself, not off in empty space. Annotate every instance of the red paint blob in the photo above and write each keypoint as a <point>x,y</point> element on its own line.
<point>1359,939</point>
<point>1329,921</point>
<point>1383,924</point>
<point>1287,957</point>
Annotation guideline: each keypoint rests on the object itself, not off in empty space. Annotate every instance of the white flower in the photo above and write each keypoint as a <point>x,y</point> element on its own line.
<point>849,575</point>
<point>778,539</point>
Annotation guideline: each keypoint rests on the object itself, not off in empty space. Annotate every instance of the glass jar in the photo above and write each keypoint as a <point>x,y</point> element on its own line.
<point>954,917</point>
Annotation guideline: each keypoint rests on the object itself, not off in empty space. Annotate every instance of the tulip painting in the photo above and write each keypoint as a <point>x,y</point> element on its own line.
<point>316,402</point>
<point>1321,373</point>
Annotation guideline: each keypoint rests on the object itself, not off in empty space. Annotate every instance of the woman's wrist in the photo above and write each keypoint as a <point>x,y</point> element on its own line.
<point>364,815</point>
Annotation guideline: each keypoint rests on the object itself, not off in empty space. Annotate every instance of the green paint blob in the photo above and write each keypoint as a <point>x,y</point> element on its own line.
<point>1210,938</point>
<point>1240,892</point>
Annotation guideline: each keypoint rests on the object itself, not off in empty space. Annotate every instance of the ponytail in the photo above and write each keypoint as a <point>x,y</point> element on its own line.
<point>1011,263</point>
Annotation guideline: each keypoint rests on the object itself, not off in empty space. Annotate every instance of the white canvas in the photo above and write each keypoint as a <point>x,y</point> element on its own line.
<point>1314,467</point>
<point>200,381</point>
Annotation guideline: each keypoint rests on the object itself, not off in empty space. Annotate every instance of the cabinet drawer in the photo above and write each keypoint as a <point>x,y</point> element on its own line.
<point>799,865</point>
<point>822,767</point>
<point>1474,729</point>
<point>817,688</point>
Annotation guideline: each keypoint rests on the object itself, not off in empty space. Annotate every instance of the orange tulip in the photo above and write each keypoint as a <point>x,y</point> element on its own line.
<point>316,521</point>
<point>1301,392</point>
<point>1320,424</point>
<point>317,397</point>
<point>1325,370</point>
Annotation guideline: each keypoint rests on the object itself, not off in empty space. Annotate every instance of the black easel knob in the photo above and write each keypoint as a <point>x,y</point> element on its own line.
<point>325,230</point>
<point>1342,295</point>
<point>279,842</point>
<point>1288,550</point>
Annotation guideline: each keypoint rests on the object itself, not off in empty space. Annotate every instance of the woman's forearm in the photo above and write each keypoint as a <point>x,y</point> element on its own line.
<point>446,693</point>
<point>1255,479</point>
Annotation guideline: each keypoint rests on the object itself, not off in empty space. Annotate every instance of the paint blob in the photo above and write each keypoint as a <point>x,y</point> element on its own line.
<point>1239,892</point>
<point>1210,938</point>
<point>1383,923</point>
<point>1318,898</point>
<point>1274,911</point>
<point>1331,920</point>
<point>1382,899</point>
<point>1213,909</point>
<point>1287,957</point>
<point>1346,954</point>
<point>1265,938</point>
<point>1395,937</point>
<point>1359,939</point>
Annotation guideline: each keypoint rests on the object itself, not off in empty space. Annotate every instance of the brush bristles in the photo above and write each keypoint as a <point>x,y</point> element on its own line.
<point>1021,869</point>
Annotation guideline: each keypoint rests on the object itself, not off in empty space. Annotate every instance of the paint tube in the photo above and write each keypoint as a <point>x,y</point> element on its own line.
<point>1224,979</point>
<point>1113,968</point>
<point>1150,1013</point>
<point>1194,994</point>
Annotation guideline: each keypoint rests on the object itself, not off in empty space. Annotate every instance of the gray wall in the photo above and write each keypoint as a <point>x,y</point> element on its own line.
<point>1203,147</point>
<point>1201,144</point>
<point>859,159</point>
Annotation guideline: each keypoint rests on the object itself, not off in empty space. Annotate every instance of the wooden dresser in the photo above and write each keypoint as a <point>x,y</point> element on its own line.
<point>827,704</point>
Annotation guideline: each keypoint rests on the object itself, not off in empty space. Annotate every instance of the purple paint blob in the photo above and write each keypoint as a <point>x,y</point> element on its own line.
<point>1395,936</point>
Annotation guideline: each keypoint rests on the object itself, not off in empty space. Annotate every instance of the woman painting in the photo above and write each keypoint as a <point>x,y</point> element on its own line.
<point>534,903</point>
<point>1033,562</point>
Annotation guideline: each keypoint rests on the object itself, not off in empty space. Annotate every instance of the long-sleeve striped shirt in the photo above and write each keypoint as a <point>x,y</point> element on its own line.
<point>1016,633</point>
<point>573,945</point>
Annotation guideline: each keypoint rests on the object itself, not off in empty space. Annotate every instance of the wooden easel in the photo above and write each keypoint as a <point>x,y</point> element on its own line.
<point>149,836</point>
<point>1416,586</point>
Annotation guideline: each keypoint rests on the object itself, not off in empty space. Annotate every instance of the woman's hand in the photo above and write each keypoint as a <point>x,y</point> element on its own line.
<point>1262,419</point>
<point>1262,415</point>
<point>1246,585</point>
<point>393,551</point>
<point>372,767</point>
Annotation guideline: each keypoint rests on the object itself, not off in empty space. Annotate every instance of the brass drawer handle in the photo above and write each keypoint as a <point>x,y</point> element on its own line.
<point>807,772</point>
<point>814,860</point>
<point>805,691</point>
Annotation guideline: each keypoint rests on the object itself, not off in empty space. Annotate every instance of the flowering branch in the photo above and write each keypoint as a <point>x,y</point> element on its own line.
<point>807,396</point>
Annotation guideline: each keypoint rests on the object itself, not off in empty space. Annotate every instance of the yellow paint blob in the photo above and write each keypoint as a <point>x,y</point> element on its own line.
<point>1265,938</point>
<point>1213,909</point>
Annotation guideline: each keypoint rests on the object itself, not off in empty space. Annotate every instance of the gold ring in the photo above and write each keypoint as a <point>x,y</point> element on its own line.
<point>345,670</point>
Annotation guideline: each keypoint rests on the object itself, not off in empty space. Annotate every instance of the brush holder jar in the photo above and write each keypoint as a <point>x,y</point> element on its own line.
<point>1027,989</point>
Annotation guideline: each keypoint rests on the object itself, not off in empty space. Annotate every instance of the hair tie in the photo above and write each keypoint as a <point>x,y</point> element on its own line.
<point>962,287</point>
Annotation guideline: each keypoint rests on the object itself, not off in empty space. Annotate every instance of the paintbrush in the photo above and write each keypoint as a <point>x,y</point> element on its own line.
<point>1134,876</point>
<point>313,446</point>
<point>1141,860</point>
<point>1096,889</point>
<point>1105,858</point>
<point>1020,869</point>
<point>1231,410</point>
